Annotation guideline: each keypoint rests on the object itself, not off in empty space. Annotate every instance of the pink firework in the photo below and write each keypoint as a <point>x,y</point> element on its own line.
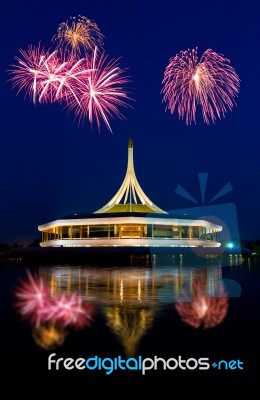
<point>68,311</point>
<point>30,71</point>
<point>45,77</point>
<point>32,297</point>
<point>102,92</point>
<point>62,79</point>
<point>35,303</point>
<point>211,82</point>
<point>203,310</point>
<point>93,87</point>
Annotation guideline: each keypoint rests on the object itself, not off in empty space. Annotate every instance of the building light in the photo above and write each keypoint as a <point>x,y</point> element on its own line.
<point>230,245</point>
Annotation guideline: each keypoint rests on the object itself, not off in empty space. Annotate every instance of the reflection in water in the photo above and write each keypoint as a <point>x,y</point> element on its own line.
<point>127,296</point>
<point>130,298</point>
<point>129,325</point>
<point>49,336</point>
<point>32,295</point>
<point>203,310</point>
<point>51,314</point>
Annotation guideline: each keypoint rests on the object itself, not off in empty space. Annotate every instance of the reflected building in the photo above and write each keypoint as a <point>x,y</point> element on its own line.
<point>130,298</point>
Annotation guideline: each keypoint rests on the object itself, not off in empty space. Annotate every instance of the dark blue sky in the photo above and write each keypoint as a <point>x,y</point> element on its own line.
<point>51,167</point>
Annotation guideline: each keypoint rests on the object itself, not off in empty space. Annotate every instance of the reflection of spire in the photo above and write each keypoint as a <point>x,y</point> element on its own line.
<point>130,297</point>
<point>129,325</point>
<point>130,196</point>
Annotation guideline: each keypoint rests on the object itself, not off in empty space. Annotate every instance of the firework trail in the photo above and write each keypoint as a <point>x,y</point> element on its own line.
<point>77,36</point>
<point>102,92</point>
<point>211,82</point>
<point>203,310</point>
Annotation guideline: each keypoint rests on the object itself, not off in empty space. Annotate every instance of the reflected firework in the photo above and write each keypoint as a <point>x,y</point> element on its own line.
<point>68,311</point>
<point>49,336</point>
<point>210,82</point>
<point>78,35</point>
<point>203,310</point>
<point>32,296</point>
<point>50,315</point>
<point>127,298</point>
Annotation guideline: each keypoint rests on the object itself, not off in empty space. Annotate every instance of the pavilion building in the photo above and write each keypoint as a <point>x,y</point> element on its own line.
<point>130,220</point>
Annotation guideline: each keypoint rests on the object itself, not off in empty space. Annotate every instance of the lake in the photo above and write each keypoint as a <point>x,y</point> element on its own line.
<point>188,317</point>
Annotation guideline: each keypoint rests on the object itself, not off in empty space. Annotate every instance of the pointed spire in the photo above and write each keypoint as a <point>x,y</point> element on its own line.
<point>130,197</point>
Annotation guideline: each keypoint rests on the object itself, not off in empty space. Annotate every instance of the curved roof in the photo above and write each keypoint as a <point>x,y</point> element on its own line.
<point>129,214</point>
<point>130,197</point>
<point>128,218</point>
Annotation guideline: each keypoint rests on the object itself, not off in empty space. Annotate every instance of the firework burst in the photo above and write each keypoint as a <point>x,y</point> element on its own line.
<point>92,87</point>
<point>203,310</point>
<point>45,77</point>
<point>211,82</point>
<point>78,35</point>
<point>102,92</point>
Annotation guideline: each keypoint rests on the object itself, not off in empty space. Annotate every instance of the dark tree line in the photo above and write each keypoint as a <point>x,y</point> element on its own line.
<point>6,248</point>
<point>253,245</point>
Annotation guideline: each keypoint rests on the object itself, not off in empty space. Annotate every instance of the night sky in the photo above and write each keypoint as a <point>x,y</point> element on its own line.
<point>51,167</point>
